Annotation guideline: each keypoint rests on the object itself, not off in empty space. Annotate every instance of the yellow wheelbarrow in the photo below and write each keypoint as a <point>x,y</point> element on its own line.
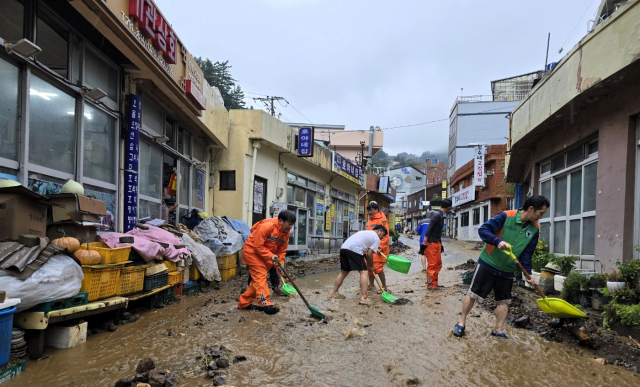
<point>555,307</point>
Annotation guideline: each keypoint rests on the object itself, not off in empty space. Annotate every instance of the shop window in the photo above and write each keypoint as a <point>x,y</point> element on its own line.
<point>593,147</point>
<point>476,216</point>
<point>575,155</point>
<point>289,194</point>
<point>109,199</point>
<point>76,59</point>
<point>98,73</point>
<point>228,181</point>
<point>99,145</point>
<point>187,144</point>
<point>11,20</point>
<point>557,163</point>
<point>486,214</point>
<point>150,171</point>
<point>9,84</point>
<point>199,149</point>
<point>152,117</point>
<point>185,178</point>
<point>53,40</point>
<point>52,127</point>
<point>170,133</point>
<point>464,219</point>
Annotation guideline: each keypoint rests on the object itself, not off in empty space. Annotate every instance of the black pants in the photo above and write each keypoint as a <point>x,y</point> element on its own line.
<point>273,278</point>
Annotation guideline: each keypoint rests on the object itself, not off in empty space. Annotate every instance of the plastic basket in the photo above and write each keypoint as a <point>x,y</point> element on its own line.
<point>164,297</point>
<point>107,254</point>
<point>227,262</point>
<point>175,277</point>
<point>155,281</point>
<point>100,282</point>
<point>154,269</point>
<point>228,274</point>
<point>131,280</point>
<point>194,274</point>
<point>6,323</point>
<point>177,290</point>
<point>78,300</point>
<point>190,288</point>
<point>171,266</point>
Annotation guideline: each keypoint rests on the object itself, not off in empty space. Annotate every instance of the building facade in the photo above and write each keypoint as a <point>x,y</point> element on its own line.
<point>482,202</point>
<point>575,139</point>
<point>417,206</point>
<point>260,174</point>
<point>113,100</point>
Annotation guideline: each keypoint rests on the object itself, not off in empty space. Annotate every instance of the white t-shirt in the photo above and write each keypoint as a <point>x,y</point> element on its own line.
<point>361,241</point>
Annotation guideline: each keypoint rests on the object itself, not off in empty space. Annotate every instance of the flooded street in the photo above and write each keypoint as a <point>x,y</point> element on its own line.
<point>386,345</point>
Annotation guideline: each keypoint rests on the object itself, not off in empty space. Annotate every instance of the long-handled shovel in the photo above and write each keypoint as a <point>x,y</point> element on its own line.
<point>555,307</point>
<point>386,297</point>
<point>287,289</point>
<point>314,311</point>
<point>399,264</point>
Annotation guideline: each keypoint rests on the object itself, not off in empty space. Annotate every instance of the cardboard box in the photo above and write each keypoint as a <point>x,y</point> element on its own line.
<point>66,337</point>
<point>77,207</point>
<point>22,211</point>
<point>70,228</point>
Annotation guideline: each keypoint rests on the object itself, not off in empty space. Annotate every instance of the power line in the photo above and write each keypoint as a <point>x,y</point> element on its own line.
<point>574,28</point>
<point>294,108</point>
<point>269,101</point>
<point>443,119</point>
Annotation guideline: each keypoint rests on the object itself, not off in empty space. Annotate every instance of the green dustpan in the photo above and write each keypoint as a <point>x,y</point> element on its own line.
<point>399,264</point>
<point>314,311</point>
<point>287,289</point>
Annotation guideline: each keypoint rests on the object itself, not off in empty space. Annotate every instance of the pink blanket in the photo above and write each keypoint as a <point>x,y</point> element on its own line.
<point>144,242</point>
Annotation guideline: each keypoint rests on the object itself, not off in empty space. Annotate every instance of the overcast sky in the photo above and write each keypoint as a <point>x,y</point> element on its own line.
<point>382,63</point>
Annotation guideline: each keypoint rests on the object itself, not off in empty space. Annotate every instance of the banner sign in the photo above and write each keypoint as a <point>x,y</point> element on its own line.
<point>132,154</point>
<point>465,195</point>
<point>383,185</point>
<point>277,208</point>
<point>305,142</point>
<point>478,166</point>
<point>347,169</point>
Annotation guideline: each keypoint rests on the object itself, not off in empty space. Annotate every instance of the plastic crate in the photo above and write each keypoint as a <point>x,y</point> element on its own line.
<point>78,300</point>
<point>108,255</point>
<point>155,269</point>
<point>171,266</point>
<point>175,277</point>
<point>100,281</point>
<point>227,262</point>
<point>190,288</point>
<point>194,274</point>
<point>155,281</point>
<point>131,280</point>
<point>177,290</point>
<point>228,274</point>
<point>164,297</point>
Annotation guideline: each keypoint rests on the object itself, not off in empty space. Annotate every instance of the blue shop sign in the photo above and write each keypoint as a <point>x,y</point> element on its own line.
<point>305,142</point>
<point>132,152</point>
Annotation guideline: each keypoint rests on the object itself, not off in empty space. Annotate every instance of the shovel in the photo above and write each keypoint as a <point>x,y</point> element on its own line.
<point>399,264</point>
<point>386,297</point>
<point>555,307</point>
<point>314,311</point>
<point>287,289</point>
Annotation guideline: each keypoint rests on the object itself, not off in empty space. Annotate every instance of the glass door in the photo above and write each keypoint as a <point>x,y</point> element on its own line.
<point>301,228</point>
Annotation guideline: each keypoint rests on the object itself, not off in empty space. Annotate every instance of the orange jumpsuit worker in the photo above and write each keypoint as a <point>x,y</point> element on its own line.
<point>268,241</point>
<point>377,217</point>
<point>434,249</point>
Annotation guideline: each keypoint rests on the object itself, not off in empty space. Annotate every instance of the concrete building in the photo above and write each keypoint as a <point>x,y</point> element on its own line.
<point>435,172</point>
<point>349,143</point>
<point>481,203</point>
<point>481,119</point>
<point>575,138</point>
<point>260,173</point>
<point>113,100</point>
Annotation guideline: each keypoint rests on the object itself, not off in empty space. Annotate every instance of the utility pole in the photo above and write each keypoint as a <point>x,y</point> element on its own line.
<point>268,102</point>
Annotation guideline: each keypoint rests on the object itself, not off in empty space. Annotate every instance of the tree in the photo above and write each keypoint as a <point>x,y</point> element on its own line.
<point>218,74</point>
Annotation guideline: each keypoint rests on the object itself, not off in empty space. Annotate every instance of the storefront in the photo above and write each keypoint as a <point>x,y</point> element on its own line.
<point>64,111</point>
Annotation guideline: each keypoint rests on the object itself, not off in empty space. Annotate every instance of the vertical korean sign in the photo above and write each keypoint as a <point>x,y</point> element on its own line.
<point>478,166</point>
<point>305,142</point>
<point>132,151</point>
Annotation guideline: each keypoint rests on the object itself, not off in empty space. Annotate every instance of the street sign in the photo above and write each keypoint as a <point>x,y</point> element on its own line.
<point>305,142</point>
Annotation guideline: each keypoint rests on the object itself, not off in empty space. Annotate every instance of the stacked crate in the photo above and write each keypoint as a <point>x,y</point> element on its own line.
<point>228,266</point>
<point>101,281</point>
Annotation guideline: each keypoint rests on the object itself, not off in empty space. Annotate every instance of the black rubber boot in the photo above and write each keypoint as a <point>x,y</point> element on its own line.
<point>270,309</point>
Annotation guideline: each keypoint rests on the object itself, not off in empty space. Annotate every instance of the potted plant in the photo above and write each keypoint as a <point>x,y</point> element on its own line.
<point>565,263</point>
<point>596,282</point>
<point>606,296</point>
<point>629,272</point>
<point>571,288</point>
<point>540,257</point>
<point>614,281</point>
<point>624,296</point>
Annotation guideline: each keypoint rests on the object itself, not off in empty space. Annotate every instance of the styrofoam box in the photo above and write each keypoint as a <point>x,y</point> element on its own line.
<point>558,282</point>
<point>66,337</point>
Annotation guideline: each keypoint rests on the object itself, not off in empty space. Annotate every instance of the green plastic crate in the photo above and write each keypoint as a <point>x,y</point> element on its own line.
<point>156,281</point>
<point>193,289</point>
<point>164,297</point>
<point>82,298</point>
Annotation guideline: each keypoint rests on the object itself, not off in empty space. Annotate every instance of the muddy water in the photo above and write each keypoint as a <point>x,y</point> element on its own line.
<point>392,345</point>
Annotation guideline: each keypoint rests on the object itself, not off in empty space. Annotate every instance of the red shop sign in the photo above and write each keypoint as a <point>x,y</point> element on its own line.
<point>155,27</point>
<point>195,95</point>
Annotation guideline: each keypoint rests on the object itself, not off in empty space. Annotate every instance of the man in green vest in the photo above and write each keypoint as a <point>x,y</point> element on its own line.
<point>495,269</point>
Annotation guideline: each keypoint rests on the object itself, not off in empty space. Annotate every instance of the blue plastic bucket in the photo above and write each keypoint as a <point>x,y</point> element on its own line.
<point>6,323</point>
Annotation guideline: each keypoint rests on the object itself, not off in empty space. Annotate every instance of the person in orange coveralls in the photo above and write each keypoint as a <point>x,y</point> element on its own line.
<point>377,217</point>
<point>268,242</point>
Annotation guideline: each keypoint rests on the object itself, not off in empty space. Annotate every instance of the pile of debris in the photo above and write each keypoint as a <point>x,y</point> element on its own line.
<point>148,376</point>
<point>216,360</point>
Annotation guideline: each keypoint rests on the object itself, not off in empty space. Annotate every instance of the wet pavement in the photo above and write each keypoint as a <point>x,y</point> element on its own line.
<point>380,345</point>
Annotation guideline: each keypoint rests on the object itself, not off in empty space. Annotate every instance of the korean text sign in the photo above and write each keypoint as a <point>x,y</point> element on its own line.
<point>478,166</point>
<point>132,152</point>
<point>305,142</point>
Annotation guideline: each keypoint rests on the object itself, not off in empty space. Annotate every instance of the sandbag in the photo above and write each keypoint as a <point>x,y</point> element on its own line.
<point>59,278</point>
